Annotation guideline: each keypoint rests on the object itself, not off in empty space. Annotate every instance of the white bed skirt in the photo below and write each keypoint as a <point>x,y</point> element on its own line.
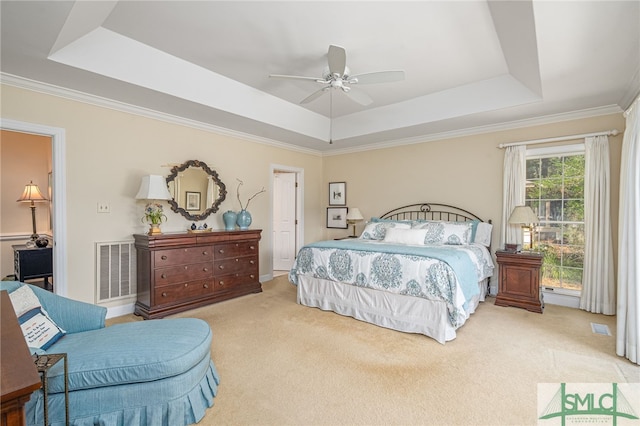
<point>395,311</point>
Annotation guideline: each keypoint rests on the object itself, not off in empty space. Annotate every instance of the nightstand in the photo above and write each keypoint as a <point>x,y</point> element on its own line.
<point>33,262</point>
<point>519,275</point>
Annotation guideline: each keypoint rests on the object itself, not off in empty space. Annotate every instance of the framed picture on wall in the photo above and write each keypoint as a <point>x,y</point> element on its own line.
<point>337,193</point>
<point>337,217</point>
<point>193,201</point>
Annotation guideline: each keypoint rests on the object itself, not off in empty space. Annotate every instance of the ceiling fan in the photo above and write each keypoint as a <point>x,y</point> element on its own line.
<point>337,76</point>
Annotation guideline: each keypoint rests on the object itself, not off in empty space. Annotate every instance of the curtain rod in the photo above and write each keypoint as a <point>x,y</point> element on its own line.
<point>613,132</point>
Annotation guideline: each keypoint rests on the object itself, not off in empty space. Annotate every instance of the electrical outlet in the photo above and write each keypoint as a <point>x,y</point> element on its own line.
<point>104,207</point>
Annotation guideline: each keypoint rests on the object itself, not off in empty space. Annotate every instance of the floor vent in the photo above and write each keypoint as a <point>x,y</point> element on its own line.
<point>116,271</point>
<point>600,329</point>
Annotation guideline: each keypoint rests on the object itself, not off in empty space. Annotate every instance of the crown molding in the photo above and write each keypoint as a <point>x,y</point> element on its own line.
<point>75,95</point>
<point>511,125</point>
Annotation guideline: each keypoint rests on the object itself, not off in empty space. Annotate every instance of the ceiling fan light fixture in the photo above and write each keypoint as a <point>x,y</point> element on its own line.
<point>337,75</point>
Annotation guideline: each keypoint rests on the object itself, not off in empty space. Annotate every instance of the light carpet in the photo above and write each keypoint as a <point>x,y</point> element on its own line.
<point>281,363</point>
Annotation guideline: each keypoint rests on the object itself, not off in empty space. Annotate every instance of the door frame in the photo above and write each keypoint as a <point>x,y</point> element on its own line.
<point>299,203</point>
<point>59,190</point>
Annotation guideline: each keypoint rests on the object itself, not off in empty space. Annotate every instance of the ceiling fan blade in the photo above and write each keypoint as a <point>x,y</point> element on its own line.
<point>296,77</point>
<point>315,95</point>
<point>337,60</point>
<point>359,96</point>
<point>377,77</point>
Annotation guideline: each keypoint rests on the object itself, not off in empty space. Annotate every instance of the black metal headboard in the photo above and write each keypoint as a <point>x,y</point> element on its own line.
<point>431,211</point>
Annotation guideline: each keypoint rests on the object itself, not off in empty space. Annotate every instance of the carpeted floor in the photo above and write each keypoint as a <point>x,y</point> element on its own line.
<point>285,364</point>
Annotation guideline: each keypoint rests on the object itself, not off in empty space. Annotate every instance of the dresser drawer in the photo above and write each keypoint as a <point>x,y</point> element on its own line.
<point>222,251</point>
<point>181,256</point>
<point>235,265</point>
<point>228,282</point>
<point>183,291</point>
<point>182,273</point>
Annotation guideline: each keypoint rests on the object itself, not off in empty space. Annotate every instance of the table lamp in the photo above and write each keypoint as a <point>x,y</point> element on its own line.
<point>354,216</point>
<point>524,216</point>
<point>153,188</point>
<point>32,195</point>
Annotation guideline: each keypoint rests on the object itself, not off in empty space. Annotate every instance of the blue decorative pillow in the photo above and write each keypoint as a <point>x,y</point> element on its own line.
<point>38,329</point>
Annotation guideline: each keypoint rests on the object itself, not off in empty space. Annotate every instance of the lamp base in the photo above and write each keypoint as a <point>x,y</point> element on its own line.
<point>154,229</point>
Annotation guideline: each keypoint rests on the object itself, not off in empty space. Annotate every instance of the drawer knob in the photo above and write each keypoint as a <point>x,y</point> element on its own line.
<point>205,269</point>
<point>163,275</point>
<point>237,260</point>
<point>204,253</point>
<point>205,285</point>
<point>221,266</point>
<point>252,262</point>
<point>221,251</point>
<point>221,283</point>
<point>163,257</point>
<point>164,294</point>
<point>252,247</point>
<point>186,267</point>
<point>186,285</point>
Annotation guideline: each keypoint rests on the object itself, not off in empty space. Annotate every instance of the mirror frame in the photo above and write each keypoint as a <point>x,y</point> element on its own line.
<point>222,189</point>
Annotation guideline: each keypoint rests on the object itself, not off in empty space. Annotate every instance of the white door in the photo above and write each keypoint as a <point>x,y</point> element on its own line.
<point>284,220</point>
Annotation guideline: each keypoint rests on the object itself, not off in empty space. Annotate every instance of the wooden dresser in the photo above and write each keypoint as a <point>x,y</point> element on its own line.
<point>520,280</point>
<point>181,271</point>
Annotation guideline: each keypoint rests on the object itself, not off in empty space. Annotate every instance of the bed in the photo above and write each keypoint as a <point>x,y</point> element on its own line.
<point>421,268</point>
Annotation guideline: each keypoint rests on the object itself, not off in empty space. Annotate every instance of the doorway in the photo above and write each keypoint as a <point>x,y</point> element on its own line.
<point>58,193</point>
<point>287,221</point>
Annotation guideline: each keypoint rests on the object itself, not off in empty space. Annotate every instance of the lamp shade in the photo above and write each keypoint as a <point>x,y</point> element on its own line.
<point>31,193</point>
<point>153,187</point>
<point>523,215</point>
<point>354,215</point>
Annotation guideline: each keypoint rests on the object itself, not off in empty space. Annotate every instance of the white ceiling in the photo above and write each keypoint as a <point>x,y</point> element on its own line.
<point>469,65</point>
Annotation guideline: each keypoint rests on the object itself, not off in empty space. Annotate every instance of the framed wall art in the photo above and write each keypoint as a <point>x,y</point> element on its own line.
<point>337,217</point>
<point>337,193</point>
<point>193,201</point>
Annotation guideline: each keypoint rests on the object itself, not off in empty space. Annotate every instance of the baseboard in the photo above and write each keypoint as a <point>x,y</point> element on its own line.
<point>118,311</point>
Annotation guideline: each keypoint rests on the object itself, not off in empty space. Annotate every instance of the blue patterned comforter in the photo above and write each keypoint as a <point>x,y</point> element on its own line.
<point>448,273</point>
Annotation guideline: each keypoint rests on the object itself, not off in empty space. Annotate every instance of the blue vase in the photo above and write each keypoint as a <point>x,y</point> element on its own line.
<point>243,220</point>
<point>229,218</point>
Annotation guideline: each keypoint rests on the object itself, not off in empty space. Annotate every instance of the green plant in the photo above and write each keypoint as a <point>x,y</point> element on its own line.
<point>153,214</point>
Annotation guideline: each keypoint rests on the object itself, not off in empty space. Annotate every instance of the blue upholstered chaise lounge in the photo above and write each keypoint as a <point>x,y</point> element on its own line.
<point>156,372</point>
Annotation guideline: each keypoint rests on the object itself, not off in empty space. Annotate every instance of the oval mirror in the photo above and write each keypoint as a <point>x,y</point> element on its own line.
<point>197,190</point>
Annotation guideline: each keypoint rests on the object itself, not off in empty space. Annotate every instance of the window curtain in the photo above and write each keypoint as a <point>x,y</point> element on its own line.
<point>513,191</point>
<point>598,286</point>
<point>628,320</point>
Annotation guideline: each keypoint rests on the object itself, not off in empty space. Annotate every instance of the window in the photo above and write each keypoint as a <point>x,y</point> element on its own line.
<point>555,192</point>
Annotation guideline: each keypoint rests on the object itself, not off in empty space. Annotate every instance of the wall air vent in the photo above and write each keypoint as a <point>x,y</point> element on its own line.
<point>115,271</point>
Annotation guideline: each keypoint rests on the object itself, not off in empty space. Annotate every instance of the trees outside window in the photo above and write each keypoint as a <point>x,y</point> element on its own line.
<point>555,192</point>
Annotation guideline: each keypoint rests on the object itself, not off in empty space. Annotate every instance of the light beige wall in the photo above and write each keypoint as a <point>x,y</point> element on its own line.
<point>23,158</point>
<point>107,153</point>
<point>465,172</point>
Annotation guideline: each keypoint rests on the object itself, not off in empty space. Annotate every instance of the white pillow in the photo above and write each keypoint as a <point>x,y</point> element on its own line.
<point>483,234</point>
<point>457,233</point>
<point>377,230</point>
<point>434,231</point>
<point>24,299</point>
<point>38,329</point>
<point>405,236</point>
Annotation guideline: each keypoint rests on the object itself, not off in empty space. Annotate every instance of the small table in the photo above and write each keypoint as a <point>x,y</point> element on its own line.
<point>519,275</point>
<point>33,262</point>
<point>43,364</point>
